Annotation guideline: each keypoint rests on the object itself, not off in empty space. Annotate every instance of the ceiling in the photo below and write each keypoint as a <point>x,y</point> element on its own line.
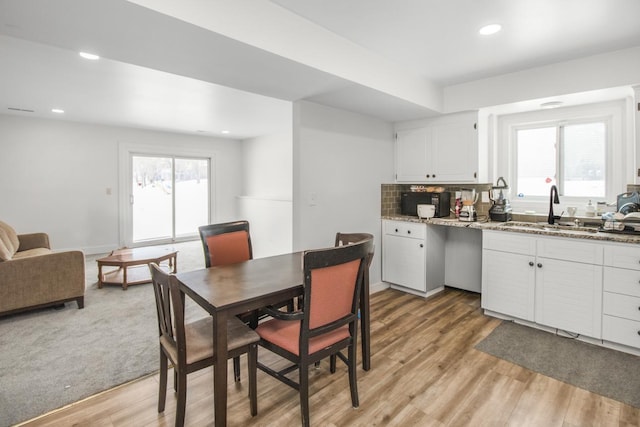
<point>160,72</point>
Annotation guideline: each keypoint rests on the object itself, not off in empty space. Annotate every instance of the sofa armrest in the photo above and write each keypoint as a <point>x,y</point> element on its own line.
<point>33,240</point>
<point>38,280</point>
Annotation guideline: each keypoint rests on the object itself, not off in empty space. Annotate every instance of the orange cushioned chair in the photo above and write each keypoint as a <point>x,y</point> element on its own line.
<point>349,239</point>
<point>328,322</point>
<point>189,346</point>
<point>230,243</point>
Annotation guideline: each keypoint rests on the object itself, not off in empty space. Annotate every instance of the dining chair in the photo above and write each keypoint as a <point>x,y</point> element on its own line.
<point>348,239</point>
<point>189,346</point>
<point>228,243</point>
<point>327,323</point>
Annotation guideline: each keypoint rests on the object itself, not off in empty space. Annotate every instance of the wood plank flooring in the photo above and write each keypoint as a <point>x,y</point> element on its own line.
<point>425,372</point>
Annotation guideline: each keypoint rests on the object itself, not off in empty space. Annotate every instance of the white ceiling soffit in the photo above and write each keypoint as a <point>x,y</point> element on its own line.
<point>439,39</point>
<point>122,31</point>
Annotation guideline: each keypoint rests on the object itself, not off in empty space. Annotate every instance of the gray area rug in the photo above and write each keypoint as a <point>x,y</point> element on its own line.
<point>52,357</point>
<point>597,369</point>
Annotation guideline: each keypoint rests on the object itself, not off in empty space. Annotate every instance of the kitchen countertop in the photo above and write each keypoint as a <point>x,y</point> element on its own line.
<point>524,227</point>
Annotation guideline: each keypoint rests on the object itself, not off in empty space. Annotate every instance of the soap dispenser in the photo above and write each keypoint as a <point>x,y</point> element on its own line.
<point>590,210</point>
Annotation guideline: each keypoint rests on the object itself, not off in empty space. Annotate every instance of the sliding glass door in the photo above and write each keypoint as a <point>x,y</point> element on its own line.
<point>169,197</point>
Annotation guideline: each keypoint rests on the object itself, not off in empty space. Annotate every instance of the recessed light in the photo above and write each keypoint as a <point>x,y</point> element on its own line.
<point>90,56</point>
<point>487,30</point>
<point>551,104</point>
<point>57,111</point>
<point>224,132</point>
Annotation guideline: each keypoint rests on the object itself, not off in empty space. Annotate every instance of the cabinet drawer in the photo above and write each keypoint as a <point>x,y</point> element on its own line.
<point>621,331</point>
<point>405,229</point>
<point>570,250</point>
<point>623,256</point>
<point>621,306</point>
<point>508,242</point>
<point>622,281</point>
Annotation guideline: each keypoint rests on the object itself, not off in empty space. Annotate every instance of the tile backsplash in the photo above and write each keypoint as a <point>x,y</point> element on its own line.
<point>391,196</point>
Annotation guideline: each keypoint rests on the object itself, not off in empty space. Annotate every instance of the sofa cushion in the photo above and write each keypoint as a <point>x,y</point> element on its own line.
<point>31,252</point>
<point>12,236</point>
<point>5,253</point>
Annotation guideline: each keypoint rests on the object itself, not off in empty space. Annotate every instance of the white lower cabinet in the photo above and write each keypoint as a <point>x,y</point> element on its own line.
<point>555,282</point>
<point>508,278</point>
<point>621,298</point>
<point>412,255</point>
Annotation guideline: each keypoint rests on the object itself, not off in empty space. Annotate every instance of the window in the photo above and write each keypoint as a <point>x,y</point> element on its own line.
<point>587,151</point>
<point>166,192</point>
<point>570,156</point>
<point>170,196</point>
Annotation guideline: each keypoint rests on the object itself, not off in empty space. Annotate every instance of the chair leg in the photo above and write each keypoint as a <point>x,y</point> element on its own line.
<point>353,383</point>
<point>252,366</point>
<point>182,399</point>
<point>175,379</point>
<point>304,393</point>
<point>236,368</point>
<point>162,394</point>
<point>332,363</point>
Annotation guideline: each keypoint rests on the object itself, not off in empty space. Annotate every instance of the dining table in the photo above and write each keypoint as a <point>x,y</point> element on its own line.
<point>228,290</point>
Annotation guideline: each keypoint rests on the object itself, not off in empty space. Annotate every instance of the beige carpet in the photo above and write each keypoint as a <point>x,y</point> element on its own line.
<point>597,369</point>
<point>52,357</point>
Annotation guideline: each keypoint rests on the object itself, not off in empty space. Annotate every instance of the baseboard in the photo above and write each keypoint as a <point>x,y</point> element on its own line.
<point>377,287</point>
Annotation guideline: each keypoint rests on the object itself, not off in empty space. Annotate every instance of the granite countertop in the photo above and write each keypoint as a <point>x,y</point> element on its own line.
<point>587,233</point>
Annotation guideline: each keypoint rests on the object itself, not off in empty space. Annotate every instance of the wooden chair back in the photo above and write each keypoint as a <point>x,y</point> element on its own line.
<point>226,243</point>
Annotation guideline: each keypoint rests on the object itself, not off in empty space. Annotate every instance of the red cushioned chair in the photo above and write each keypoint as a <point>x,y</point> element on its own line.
<point>230,243</point>
<point>189,346</point>
<point>349,239</point>
<point>328,322</point>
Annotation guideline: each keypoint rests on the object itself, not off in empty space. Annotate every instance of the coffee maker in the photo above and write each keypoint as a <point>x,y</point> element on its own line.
<point>500,209</point>
<point>468,211</point>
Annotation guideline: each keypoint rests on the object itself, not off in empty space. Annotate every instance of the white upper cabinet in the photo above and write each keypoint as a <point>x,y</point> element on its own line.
<point>443,149</point>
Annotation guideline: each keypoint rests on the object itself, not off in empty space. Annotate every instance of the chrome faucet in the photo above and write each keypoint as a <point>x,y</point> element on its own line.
<point>553,198</point>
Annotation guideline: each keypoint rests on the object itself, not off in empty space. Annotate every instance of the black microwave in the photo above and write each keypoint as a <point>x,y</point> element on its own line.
<point>409,202</point>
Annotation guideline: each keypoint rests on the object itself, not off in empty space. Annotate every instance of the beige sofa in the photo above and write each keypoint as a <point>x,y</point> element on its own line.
<point>31,275</point>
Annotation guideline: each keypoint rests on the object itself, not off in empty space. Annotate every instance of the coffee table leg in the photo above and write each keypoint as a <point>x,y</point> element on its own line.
<point>99,276</point>
<point>124,279</point>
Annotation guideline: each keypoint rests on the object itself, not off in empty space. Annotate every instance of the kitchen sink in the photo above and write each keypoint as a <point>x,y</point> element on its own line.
<point>549,227</point>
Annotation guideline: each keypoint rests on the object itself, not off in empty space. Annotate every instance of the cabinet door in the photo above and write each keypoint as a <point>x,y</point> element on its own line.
<point>411,155</point>
<point>508,283</point>
<point>455,152</point>
<point>403,262</point>
<point>569,296</point>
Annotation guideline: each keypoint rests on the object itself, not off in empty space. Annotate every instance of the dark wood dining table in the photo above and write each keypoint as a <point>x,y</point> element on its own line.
<point>228,290</point>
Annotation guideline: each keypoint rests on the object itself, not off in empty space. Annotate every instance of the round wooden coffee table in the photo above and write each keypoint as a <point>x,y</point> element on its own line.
<point>133,265</point>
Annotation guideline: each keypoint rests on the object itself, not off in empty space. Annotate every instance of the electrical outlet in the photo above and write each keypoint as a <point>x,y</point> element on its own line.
<point>485,197</point>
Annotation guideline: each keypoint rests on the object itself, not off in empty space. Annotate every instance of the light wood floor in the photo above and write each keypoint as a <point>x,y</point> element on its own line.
<point>425,372</point>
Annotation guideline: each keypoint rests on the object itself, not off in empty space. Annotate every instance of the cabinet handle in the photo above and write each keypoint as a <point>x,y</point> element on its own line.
<point>530,263</point>
<point>428,176</point>
<point>539,265</point>
<point>421,245</point>
<point>396,230</point>
<point>434,175</point>
<point>638,332</point>
<point>408,231</point>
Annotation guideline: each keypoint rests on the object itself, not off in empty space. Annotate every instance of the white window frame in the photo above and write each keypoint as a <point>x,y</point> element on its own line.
<point>125,153</point>
<point>620,157</point>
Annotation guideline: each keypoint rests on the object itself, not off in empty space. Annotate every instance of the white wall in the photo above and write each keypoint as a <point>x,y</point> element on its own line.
<point>340,161</point>
<point>54,177</point>
<point>267,192</point>
<point>268,162</point>
<point>608,70</point>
